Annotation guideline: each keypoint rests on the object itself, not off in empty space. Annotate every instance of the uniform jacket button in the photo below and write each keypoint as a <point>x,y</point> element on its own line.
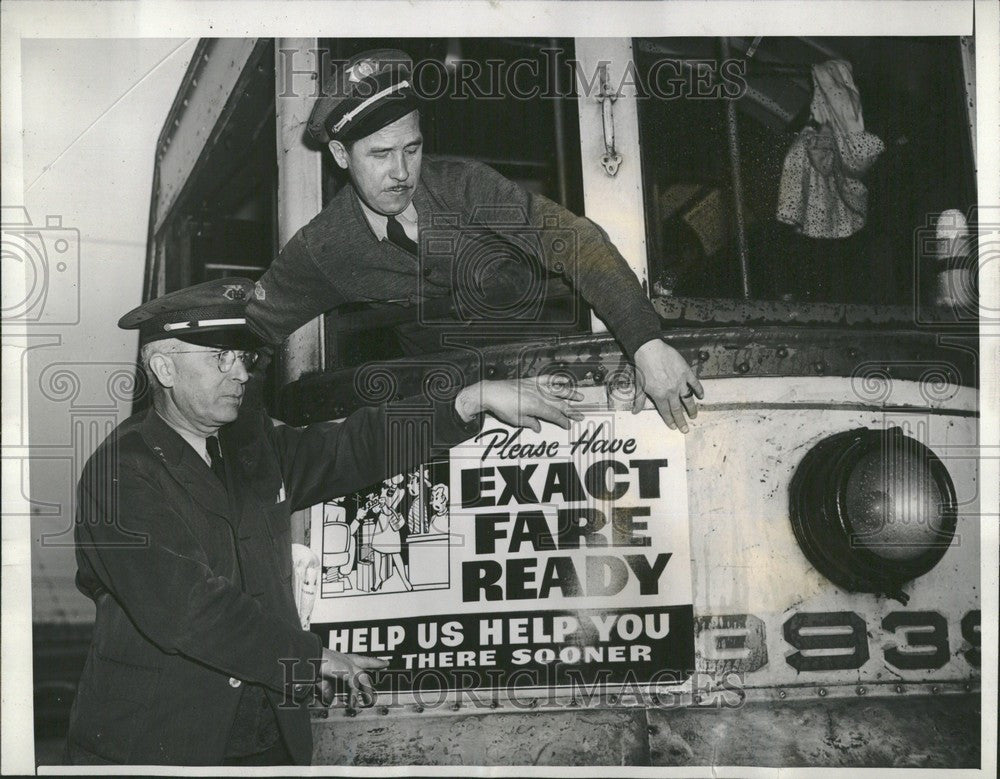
<point>234,682</point>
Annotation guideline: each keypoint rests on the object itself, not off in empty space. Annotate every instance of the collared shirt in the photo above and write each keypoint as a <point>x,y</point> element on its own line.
<point>197,442</point>
<point>377,221</point>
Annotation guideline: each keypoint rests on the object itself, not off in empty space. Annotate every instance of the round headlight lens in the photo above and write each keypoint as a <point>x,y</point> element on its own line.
<point>873,509</point>
<point>894,508</point>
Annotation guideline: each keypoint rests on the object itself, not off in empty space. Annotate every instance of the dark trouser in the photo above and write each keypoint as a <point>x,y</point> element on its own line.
<point>74,754</point>
<point>276,755</point>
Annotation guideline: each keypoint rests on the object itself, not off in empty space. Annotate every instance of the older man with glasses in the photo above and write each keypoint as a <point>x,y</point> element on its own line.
<point>184,543</point>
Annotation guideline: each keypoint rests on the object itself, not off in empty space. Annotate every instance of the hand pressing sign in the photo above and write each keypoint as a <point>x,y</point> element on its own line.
<point>664,375</point>
<point>521,402</point>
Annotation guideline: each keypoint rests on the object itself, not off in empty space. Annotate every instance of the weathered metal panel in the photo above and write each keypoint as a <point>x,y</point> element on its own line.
<point>866,355</point>
<point>968,54</point>
<point>751,312</point>
<point>208,86</point>
<point>598,737</point>
<point>905,732</point>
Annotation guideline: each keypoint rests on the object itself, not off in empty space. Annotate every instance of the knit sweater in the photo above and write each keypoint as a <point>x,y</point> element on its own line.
<point>461,205</point>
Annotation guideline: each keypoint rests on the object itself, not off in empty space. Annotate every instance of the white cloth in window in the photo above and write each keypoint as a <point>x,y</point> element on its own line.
<point>821,194</point>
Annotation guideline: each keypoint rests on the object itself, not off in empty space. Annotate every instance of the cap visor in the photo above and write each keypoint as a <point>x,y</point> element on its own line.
<point>223,338</point>
<point>381,115</point>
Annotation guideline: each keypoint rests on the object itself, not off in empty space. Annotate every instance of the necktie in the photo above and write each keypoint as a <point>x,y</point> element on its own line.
<point>215,455</point>
<point>397,235</point>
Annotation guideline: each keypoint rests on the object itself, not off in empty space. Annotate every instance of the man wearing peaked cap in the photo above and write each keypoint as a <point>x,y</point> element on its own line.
<point>211,314</point>
<point>369,92</point>
<point>366,245</point>
<point>183,538</point>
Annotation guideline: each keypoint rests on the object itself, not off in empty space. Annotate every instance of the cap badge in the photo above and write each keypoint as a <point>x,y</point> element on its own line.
<point>259,292</point>
<point>360,70</point>
<point>234,292</point>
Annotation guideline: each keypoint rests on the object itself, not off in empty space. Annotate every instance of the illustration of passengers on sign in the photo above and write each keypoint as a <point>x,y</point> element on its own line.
<point>392,537</point>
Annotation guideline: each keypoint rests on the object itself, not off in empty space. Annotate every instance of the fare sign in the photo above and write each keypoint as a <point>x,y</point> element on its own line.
<point>522,560</point>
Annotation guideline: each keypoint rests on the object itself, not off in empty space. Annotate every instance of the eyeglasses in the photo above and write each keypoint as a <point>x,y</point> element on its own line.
<point>226,358</point>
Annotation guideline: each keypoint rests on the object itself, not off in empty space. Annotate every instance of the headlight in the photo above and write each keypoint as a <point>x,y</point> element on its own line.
<point>872,510</point>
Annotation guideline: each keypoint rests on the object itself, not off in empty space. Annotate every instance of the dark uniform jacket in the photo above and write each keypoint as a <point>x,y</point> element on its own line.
<point>193,582</point>
<point>337,259</point>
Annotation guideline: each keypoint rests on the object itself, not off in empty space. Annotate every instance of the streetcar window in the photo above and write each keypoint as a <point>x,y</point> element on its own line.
<point>225,221</point>
<point>705,225</point>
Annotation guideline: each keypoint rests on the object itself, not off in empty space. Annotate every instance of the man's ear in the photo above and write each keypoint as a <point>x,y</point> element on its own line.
<point>163,369</point>
<point>339,152</point>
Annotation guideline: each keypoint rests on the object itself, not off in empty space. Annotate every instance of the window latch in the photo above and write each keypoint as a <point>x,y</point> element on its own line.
<point>611,159</point>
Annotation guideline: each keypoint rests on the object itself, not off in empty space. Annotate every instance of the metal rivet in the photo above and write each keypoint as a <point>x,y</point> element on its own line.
<point>819,367</point>
<point>899,688</point>
<point>743,367</point>
<point>491,371</point>
<point>822,692</point>
<point>782,694</point>
<point>862,690</point>
<point>703,356</point>
<point>652,730</point>
<point>934,690</point>
<point>782,352</point>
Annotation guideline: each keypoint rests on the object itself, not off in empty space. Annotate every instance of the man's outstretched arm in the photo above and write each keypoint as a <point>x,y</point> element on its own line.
<point>328,459</point>
<point>290,293</point>
<point>603,278</point>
